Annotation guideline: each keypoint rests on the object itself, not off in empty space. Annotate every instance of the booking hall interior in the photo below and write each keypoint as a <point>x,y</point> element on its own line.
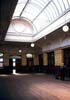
<point>35,50</point>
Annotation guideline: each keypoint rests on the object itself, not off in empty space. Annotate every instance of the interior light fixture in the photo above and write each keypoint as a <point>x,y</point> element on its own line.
<point>29,55</point>
<point>14,59</point>
<point>32,44</point>
<point>20,51</point>
<point>1,54</point>
<point>65,28</point>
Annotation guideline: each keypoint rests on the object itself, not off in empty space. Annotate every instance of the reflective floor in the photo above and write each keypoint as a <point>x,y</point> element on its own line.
<point>33,87</point>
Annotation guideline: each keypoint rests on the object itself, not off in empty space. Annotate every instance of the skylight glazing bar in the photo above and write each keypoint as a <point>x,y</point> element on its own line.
<point>44,16</point>
<point>65,13</point>
<point>58,6</point>
<point>33,9</point>
<point>42,10</point>
<point>52,11</point>
<point>60,2</point>
<point>50,14</point>
<point>39,3</point>
<point>24,7</point>
<point>68,2</point>
<point>64,4</point>
<point>55,8</point>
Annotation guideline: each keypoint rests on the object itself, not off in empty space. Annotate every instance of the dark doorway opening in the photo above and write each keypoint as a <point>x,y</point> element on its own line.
<point>41,60</point>
<point>67,61</point>
<point>51,67</point>
<point>67,56</point>
<point>30,64</point>
<point>15,63</point>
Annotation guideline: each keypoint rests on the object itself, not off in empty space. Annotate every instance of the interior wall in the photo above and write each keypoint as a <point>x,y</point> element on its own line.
<point>57,44</point>
<point>8,50</point>
<point>6,59</point>
<point>45,59</point>
<point>24,60</point>
<point>58,57</point>
<point>36,59</point>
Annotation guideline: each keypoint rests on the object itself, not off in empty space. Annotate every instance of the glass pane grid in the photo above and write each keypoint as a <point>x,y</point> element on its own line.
<point>18,9</point>
<point>55,8</point>
<point>62,5</point>
<point>66,4</point>
<point>52,10</point>
<point>58,6</point>
<point>40,12</point>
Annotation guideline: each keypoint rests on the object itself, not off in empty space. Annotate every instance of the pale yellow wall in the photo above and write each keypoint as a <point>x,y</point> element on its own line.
<point>24,60</point>
<point>45,59</point>
<point>58,57</point>
<point>10,50</point>
<point>6,59</point>
<point>36,59</point>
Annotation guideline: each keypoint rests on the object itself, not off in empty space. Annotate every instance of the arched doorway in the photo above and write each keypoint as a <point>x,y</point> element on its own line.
<point>14,63</point>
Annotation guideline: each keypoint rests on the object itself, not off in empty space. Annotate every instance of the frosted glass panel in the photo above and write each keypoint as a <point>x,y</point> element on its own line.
<point>68,1</point>
<point>61,3</point>
<point>58,6</point>
<point>41,14</point>
<point>1,65</point>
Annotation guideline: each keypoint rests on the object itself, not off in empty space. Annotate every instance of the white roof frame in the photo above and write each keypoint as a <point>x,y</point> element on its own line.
<point>44,15</point>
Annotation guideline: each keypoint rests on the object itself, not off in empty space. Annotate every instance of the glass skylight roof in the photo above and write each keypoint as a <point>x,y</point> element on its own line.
<point>44,16</point>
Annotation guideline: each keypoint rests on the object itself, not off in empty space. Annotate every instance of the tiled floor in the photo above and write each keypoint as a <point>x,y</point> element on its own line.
<point>33,87</point>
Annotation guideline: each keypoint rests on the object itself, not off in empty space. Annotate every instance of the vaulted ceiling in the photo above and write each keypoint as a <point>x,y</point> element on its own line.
<point>33,19</point>
<point>34,12</point>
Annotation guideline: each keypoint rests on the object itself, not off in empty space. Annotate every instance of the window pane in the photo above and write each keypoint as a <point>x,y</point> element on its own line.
<point>66,4</point>
<point>69,2</point>
<point>1,65</point>
<point>52,11</point>
<point>58,6</point>
<point>18,9</point>
<point>41,14</point>
<point>61,5</point>
<point>55,8</point>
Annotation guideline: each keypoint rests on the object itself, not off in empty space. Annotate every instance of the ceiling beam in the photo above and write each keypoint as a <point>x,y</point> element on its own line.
<point>42,10</point>
<point>24,7</point>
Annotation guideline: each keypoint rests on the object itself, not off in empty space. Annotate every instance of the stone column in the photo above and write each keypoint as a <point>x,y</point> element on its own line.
<point>24,60</point>
<point>36,59</point>
<point>45,59</point>
<point>58,57</point>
